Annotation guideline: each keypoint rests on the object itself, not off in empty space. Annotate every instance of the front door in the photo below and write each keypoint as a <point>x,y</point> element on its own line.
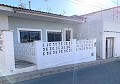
<point>109,47</point>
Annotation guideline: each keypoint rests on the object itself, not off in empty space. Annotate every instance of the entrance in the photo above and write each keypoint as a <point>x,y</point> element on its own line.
<point>109,47</point>
<point>68,34</point>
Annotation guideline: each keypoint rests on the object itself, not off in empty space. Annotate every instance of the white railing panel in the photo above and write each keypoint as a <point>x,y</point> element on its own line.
<point>52,54</point>
<point>52,48</point>
<point>86,49</point>
<point>84,45</point>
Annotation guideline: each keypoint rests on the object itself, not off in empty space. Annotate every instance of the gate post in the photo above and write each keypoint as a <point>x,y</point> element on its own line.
<point>74,50</point>
<point>8,50</point>
<point>38,53</point>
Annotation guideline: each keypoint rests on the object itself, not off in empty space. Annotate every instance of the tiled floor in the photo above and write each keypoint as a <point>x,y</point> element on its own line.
<point>22,64</point>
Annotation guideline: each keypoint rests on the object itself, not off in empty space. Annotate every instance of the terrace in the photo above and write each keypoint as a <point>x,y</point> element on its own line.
<point>25,57</point>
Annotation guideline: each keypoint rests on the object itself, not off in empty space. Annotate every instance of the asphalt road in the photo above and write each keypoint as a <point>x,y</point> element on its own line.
<point>108,73</point>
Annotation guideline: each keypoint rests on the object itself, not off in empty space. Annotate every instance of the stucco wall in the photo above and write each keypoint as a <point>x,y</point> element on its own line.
<point>3,22</point>
<point>77,30</point>
<point>15,23</point>
<point>111,26</point>
<point>106,15</point>
<point>91,30</point>
<point>113,31</point>
<point>7,61</point>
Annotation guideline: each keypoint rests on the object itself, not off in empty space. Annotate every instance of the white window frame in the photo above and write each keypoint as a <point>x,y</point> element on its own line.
<point>65,33</point>
<point>26,29</point>
<point>53,31</point>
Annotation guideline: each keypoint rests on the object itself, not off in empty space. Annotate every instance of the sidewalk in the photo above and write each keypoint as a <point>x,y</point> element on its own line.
<point>40,73</point>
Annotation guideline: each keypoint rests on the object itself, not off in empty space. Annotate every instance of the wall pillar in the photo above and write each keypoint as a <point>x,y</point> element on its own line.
<point>74,50</point>
<point>104,48</point>
<point>8,50</point>
<point>38,53</point>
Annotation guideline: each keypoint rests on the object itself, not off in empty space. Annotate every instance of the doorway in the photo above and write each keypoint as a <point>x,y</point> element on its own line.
<point>68,34</point>
<point>109,47</point>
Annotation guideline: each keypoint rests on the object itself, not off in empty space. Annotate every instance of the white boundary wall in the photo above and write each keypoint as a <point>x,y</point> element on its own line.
<point>52,54</point>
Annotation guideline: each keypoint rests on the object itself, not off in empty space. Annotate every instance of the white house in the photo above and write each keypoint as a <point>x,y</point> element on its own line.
<point>33,40</point>
<point>105,26</point>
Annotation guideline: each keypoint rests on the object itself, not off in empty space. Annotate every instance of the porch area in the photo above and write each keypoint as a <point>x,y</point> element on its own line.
<point>22,63</point>
<point>37,55</point>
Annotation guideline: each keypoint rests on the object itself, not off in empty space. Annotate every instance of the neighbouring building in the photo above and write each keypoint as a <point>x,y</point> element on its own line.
<point>103,25</point>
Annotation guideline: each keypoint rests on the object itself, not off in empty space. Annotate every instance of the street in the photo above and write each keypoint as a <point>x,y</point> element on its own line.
<point>108,73</point>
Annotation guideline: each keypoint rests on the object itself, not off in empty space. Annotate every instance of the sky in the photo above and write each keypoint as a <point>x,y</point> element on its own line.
<point>65,7</point>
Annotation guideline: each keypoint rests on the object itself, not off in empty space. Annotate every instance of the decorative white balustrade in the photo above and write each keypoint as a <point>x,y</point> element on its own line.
<point>1,41</point>
<point>84,44</point>
<point>51,48</point>
<point>52,54</point>
<point>25,51</point>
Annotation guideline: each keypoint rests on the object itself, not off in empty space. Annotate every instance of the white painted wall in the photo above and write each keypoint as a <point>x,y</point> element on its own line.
<point>112,14</point>
<point>101,30</point>
<point>111,26</point>
<point>25,51</point>
<point>4,22</point>
<point>110,21</point>
<point>76,31</point>
<point>93,30</point>
<point>64,53</point>
<point>15,23</point>
<point>113,30</point>
<point>7,61</point>
<point>53,54</point>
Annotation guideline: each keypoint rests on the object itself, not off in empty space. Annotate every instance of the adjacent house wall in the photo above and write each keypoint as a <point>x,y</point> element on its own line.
<point>111,19</point>
<point>112,14</point>
<point>4,22</point>
<point>77,30</point>
<point>112,29</point>
<point>15,23</point>
<point>92,30</point>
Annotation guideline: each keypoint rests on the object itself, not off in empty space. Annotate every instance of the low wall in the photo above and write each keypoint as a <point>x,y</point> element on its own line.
<point>52,54</point>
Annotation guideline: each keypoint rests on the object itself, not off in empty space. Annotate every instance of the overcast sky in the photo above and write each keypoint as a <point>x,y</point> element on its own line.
<point>66,7</point>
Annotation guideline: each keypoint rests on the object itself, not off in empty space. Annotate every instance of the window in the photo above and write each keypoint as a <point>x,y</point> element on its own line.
<point>29,36</point>
<point>54,36</point>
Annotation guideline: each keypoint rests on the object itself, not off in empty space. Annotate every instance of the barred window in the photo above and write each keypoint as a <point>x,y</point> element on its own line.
<point>29,36</point>
<point>54,36</point>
